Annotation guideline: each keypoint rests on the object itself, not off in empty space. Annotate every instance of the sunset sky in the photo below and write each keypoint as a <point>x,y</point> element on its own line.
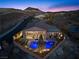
<point>44,5</point>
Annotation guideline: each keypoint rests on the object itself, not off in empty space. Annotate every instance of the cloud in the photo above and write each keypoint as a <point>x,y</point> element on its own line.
<point>67,8</point>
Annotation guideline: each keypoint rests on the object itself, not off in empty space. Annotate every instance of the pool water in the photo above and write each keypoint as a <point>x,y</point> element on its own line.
<point>49,44</point>
<point>34,45</point>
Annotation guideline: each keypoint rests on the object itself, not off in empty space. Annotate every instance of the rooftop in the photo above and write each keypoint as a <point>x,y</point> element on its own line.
<point>43,26</point>
<point>35,29</point>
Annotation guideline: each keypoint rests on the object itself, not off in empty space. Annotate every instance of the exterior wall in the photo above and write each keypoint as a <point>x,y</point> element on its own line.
<point>52,33</point>
<point>35,34</point>
<point>31,35</point>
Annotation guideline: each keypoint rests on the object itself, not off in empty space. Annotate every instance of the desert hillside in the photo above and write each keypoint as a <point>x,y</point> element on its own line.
<point>64,20</point>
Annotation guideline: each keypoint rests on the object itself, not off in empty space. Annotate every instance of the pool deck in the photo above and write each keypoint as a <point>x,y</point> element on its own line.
<point>35,54</point>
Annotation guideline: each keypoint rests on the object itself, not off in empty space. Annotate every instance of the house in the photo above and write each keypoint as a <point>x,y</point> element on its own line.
<point>40,28</point>
<point>40,38</point>
<point>37,30</point>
